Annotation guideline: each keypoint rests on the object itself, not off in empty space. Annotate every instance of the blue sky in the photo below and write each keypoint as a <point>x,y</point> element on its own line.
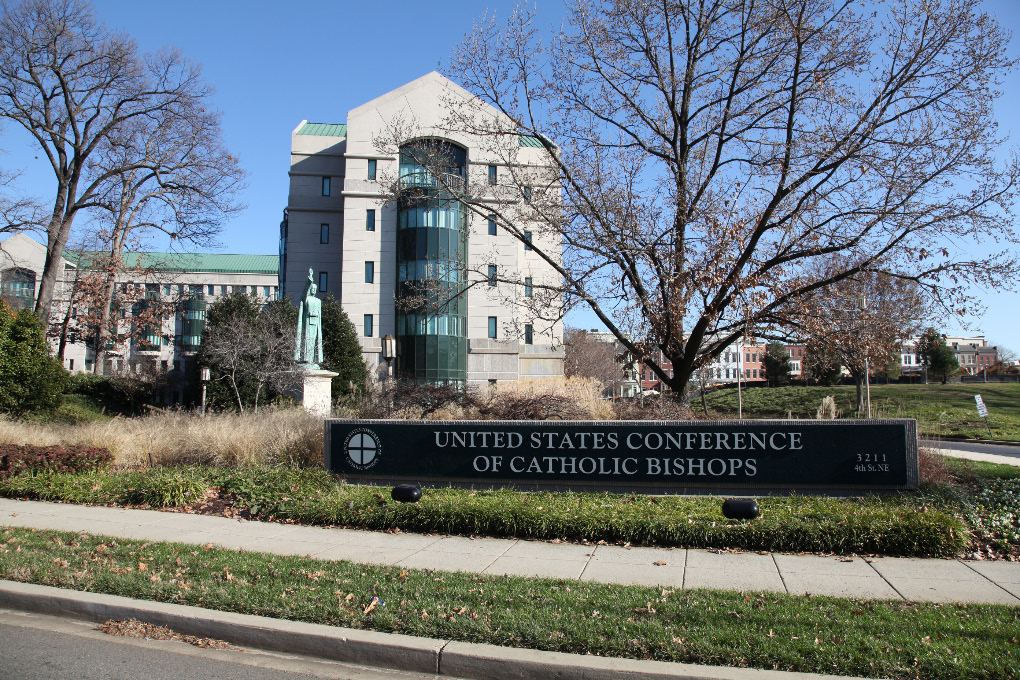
<point>274,64</point>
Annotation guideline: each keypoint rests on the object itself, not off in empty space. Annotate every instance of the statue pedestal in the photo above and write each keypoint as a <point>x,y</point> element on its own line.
<point>317,392</point>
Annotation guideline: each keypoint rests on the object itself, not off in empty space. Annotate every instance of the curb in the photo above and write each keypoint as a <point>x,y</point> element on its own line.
<point>470,661</point>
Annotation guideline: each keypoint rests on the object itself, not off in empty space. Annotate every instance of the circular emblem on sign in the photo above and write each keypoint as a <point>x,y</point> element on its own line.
<point>363,449</point>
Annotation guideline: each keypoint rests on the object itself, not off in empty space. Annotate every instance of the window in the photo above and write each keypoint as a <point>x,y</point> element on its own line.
<point>371,168</point>
<point>265,291</point>
<point>492,175</point>
<point>325,186</point>
<point>492,383</point>
<point>70,364</point>
<point>369,319</point>
<point>527,287</point>
<point>529,334</point>
<point>527,240</point>
<point>370,220</point>
<point>166,289</point>
<point>370,272</point>
<point>492,275</point>
<point>492,327</point>
<point>323,233</point>
<point>323,280</point>
<point>492,225</point>
<point>527,193</point>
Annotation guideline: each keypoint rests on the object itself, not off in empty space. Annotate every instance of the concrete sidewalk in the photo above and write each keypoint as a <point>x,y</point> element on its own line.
<point>946,449</point>
<point>857,577</point>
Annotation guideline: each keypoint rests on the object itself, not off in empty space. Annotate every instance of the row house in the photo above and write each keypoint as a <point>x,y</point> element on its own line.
<point>973,354</point>
<point>739,360</point>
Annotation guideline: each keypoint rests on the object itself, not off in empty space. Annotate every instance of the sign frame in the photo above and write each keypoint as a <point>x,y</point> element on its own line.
<point>836,442</point>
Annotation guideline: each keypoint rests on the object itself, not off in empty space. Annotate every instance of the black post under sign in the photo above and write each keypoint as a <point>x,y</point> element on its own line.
<point>728,456</point>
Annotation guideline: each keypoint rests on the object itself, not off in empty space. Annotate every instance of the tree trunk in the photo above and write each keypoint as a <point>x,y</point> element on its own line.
<point>62,347</point>
<point>859,384</point>
<point>113,267</point>
<point>56,234</point>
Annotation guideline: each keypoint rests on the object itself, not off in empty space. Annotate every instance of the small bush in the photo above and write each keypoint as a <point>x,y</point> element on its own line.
<point>658,408</point>
<point>30,379</point>
<point>15,459</point>
<point>166,487</point>
<point>124,395</point>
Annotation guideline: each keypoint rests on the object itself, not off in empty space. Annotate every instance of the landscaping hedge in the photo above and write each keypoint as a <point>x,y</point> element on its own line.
<point>17,458</point>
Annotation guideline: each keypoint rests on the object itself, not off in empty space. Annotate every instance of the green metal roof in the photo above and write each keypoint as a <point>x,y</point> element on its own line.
<point>324,129</point>
<point>194,262</point>
<point>340,130</point>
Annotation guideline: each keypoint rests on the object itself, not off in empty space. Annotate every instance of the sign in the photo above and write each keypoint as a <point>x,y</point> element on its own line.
<point>982,409</point>
<point>683,456</point>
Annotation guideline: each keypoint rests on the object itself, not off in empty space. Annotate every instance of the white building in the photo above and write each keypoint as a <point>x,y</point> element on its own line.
<point>185,282</point>
<point>372,223</point>
<point>973,354</point>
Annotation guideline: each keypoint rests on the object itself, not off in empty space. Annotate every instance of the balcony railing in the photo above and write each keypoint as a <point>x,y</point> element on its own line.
<point>427,180</point>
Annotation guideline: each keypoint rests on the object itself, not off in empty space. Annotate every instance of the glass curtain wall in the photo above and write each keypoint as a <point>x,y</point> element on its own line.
<point>431,248</point>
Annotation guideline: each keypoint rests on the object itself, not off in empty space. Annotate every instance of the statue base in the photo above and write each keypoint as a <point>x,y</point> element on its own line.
<point>317,392</point>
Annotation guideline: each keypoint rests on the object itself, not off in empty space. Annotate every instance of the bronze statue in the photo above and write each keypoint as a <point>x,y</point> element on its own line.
<point>308,345</point>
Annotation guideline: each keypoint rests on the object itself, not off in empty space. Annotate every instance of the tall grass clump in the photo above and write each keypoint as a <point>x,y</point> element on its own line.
<point>272,437</point>
<point>582,396</point>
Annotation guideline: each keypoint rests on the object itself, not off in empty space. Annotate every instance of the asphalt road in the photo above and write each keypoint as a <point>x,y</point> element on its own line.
<point>977,447</point>
<point>36,647</point>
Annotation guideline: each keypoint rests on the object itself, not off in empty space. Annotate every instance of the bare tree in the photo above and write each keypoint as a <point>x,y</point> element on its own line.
<point>17,213</point>
<point>254,350</point>
<point>588,357</point>
<point>700,158</point>
<point>860,320</point>
<point>169,174</point>
<point>71,84</point>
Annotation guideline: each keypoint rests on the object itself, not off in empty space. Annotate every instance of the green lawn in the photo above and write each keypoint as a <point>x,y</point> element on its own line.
<point>722,628</point>
<point>940,410</point>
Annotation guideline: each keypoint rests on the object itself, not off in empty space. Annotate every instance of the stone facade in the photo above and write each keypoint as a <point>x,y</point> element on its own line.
<point>341,222</point>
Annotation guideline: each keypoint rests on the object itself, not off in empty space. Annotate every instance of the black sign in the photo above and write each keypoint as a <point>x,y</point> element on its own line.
<point>638,455</point>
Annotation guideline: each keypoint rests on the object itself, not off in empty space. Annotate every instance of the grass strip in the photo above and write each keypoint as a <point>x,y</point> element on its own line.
<point>723,628</point>
<point>940,410</point>
<point>909,525</point>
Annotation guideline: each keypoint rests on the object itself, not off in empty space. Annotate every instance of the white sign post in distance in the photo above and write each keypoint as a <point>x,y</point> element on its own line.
<point>983,411</point>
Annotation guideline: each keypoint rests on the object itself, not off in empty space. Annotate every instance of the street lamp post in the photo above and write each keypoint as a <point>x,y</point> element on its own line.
<point>389,352</point>
<point>867,372</point>
<point>204,374</point>
<point>740,378</point>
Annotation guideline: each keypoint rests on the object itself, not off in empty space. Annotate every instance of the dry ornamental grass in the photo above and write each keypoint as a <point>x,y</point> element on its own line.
<point>274,436</point>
